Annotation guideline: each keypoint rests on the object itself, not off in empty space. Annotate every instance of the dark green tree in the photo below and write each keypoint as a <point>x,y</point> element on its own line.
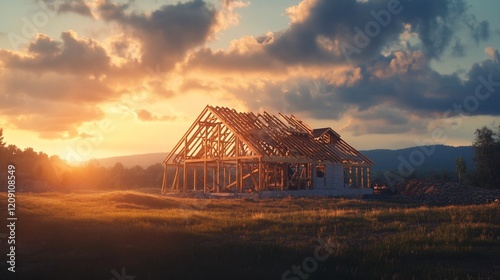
<point>461,168</point>
<point>3,152</point>
<point>487,157</point>
<point>2,143</point>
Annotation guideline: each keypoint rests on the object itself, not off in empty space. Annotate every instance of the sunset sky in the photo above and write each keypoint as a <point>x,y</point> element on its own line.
<point>89,79</point>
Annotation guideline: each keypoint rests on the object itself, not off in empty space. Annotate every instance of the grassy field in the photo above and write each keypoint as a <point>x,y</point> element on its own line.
<point>93,236</point>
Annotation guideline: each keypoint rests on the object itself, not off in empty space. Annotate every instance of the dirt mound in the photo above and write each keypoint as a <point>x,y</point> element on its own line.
<point>141,201</point>
<point>188,194</point>
<point>433,192</point>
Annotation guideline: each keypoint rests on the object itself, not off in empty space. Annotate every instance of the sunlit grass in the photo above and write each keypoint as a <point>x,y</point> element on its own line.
<point>157,237</point>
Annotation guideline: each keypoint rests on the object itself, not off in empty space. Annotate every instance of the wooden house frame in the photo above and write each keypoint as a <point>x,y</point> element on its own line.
<point>228,151</point>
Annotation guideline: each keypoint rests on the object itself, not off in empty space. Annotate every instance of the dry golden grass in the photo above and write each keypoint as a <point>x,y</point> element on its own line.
<point>86,235</point>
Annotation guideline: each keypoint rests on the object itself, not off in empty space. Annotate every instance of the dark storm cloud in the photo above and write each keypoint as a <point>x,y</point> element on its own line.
<point>395,88</point>
<point>120,48</point>
<point>419,92</point>
<point>69,6</point>
<point>480,30</point>
<point>67,88</point>
<point>221,61</point>
<point>168,33</point>
<point>330,34</point>
<point>458,49</point>
<point>434,21</point>
<point>70,55</point>
<point>389,88</point>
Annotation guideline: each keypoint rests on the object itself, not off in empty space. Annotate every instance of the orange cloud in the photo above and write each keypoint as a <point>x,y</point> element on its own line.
<point>301,11</point>
<point>146,116</point>
<point>227,16</point>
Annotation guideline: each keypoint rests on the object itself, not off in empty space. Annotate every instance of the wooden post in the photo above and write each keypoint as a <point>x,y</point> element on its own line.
<point>164,183</point>
<point>237,178</point>
<point>185,177</point>
<point>205,167</point>
<point>230,177</point>
<point>261,171</point>
<point>213,179</point>
<point>299,173</point>
<point>368,177</point>
<point>224,178</point>
<point>237,169</point>
<point>314,178</point>
<point>361,177</point>
<point>309,176</point>
<point>219,156</point>
<point>350,176</point>
<point>205,175</point>
<point>357,177</point>
<point>177,181</point>
<point>241,176</point>
<point>218,176</point>
<point>194,179</point>
<point>362,169</point>
<point>285,177</point>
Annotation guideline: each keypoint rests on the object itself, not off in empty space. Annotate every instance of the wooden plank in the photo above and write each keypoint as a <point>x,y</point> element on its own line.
<point>368,177</point>
<point>261,180</point>
<point>231,124</point>
<point>205,175</point>
<point>185,169</point>
<point>177,181</point>
<point>165,177</point>
<point>218,156</point>
<point>237,147</point>
<point>205,167</point>
<point>362,170</point>
<point>213,177</point>
<point>224,178</point>
<point>287,160</point>
<point>194,179</point>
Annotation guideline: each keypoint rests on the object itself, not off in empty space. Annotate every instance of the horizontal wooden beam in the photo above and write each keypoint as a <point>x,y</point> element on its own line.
<point>226,159</point>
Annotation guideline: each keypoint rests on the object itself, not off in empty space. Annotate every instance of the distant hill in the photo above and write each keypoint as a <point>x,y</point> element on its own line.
<point>143,160</point>
<point>442,158</point>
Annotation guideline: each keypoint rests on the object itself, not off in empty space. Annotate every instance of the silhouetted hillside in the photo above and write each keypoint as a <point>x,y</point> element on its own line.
<point>143,160</point>
<point>437,158</point>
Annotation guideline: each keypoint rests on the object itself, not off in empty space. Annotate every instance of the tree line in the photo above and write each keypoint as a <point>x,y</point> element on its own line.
<point>36,171</point>
<point>487,157</point>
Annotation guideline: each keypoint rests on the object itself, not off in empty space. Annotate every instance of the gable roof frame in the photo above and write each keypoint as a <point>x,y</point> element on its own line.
<point>269,137</point>
<point>209,109</point>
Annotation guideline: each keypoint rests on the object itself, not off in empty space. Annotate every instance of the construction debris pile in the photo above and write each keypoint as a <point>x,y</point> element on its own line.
<point>431,192</point>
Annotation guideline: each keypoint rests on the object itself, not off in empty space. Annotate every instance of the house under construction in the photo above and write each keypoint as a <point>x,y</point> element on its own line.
<point>229,151</point>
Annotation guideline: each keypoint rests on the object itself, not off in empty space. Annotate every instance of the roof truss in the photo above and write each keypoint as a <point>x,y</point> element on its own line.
<point>223,134</point>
